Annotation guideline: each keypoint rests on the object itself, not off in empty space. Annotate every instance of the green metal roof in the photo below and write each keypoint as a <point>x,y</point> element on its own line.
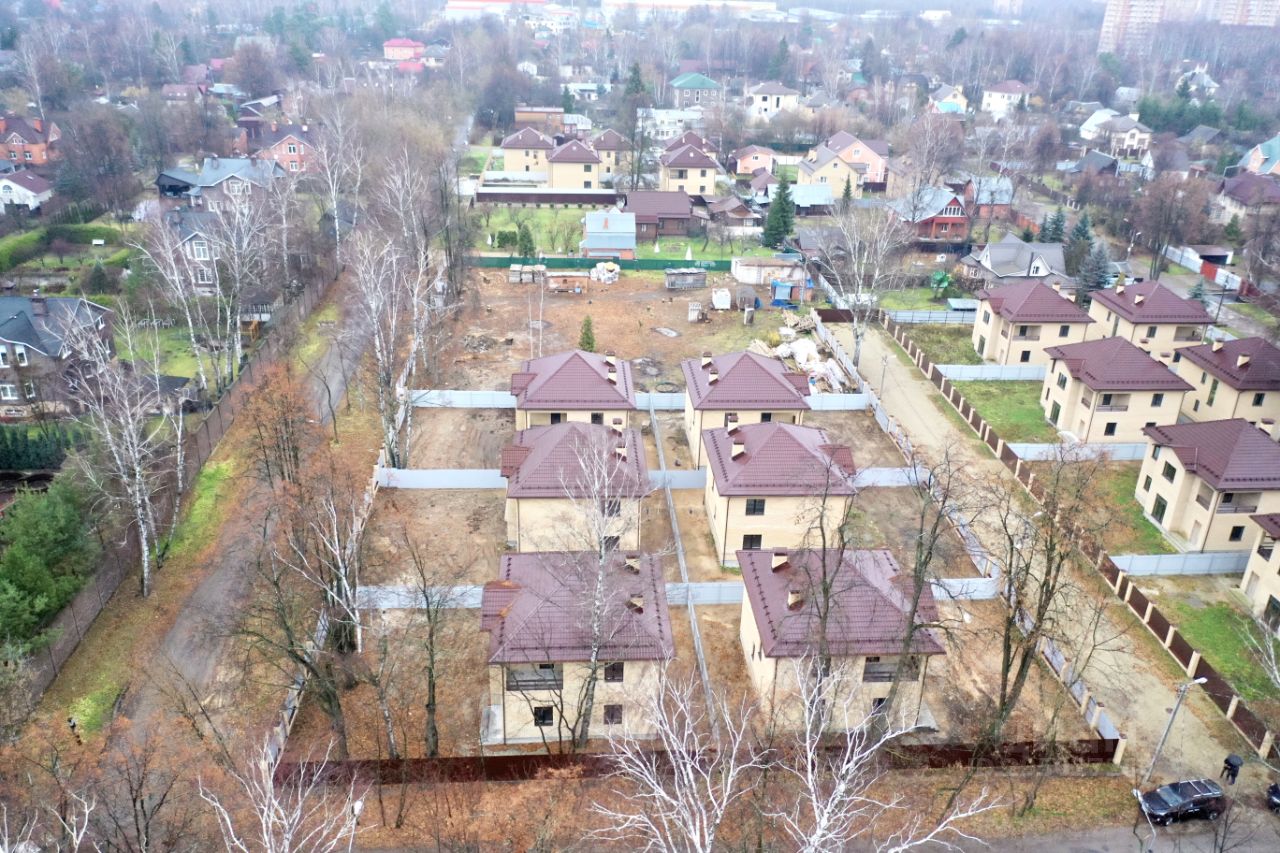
<point>694,80</point>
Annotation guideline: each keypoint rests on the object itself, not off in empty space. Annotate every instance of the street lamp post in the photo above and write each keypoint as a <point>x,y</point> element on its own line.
<point>884,367</point>
<point>1177,703</point>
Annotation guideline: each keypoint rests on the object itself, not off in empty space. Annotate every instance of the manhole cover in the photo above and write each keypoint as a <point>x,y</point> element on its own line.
<point>539,324</point>
<point>663,330</point>
<point>666,387</point>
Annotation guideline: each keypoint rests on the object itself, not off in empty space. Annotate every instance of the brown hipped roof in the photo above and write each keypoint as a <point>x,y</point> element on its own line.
<point>745,380</point>
<point>870,602</point>
<point>1230,455</point>
<point>1152,302</point>
<point>573,151</point>
<point>688,157</point>
<point>1032,302</point>
<point>687,138</point>
<point>540,609</point>
<point>528,138</point>
<point>574,380</point>
<point>1260,370</point>
<point>610,140</point>
<point>778,459</point>
<point>651,205</point>
<point>575,460</point>
<point>1114,364</point>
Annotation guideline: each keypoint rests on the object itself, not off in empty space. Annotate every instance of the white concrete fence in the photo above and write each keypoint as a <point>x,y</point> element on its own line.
<point>1206,563</point>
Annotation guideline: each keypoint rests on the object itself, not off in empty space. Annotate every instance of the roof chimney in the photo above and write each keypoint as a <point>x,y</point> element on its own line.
<point>780,560</point>
<point>1119,289</point>
<point>636,603</point>
<point>1139,298</point>
<point>795,599</point>
<point>739,448</point>
<point>38,305</point>
<point>610,358</point>
<point>631,563</point>
<point>612,375</point>
<point>1217,345</point>
<point>706,359</point>
<point>713,376</point>
<point>621,451</point>
<point>1242,360</point>
<point>731,423</point>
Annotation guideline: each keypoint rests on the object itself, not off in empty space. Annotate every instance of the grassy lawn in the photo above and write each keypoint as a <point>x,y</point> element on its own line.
<point>174,358</point>
<point>1012,409</point>
<point>1130,532</point>
<point>1219,632</point>
<point>1256,313</point>
<point>675,249</point>
<point>788,172</point>
<point>554,229</point>
<point>315,337</point>
<point>950,343</point>
<point>911,299</point>
<point>473,161</point>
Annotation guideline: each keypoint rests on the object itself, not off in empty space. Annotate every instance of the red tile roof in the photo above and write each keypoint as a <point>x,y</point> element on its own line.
<point>1230,455</point>
<point>869,609</point>
<point>1261,371</point>
<point>1032,302</point>
<point>573,151</point>
<point>651,205</point>
<point>778,459</point>
<point>574,380</point>
<point>688,138</point>
<point>746,381</point>
<point>1152,302</point>
<point>528,138</point>
<point>688,157</point>
<point>575,460</point>
<point>1114,364</point>
<point>610,140</point>
<point>540,609</point>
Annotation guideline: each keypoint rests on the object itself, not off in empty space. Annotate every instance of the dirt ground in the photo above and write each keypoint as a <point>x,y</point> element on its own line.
<point>625,317</point>
<point>459,438</point>
<point>890,518</point>
<point>695,534</point>
<point>859,430</point>
<point>467,545</point>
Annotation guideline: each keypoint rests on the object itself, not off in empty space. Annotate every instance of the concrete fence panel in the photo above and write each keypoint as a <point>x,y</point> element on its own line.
<point>966,589</point>
<point>452,399</point>
<point>696,479</point>
<point>1044,451</point>
<point>831,402</point>
<point>1011,372</point>
<point>1207,563</point>
<point>661,402</point>
<point>441,478</point>
<point>959,318</point>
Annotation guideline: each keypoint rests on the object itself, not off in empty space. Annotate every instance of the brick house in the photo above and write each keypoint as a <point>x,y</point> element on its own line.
<point>1017,321</point>
<point>289,145</point>
<point>692,88</point>
<point>402,49</point>
<point>28,140</point>
<point>933,213</point>
<point>34,352</point>
<point>767,483</point>
<point>1109,391</point>
<point>1231,379</point>
<point>738,388</point>
<point>869,609</point>
<point>1150,315</point>
<point>573,386</point>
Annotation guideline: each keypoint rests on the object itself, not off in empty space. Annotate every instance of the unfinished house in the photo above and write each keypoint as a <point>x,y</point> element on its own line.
<point>545,655</point>
<point>857,605</point>
<point>1149,315</point>
<point>1109,390</point>
<point>1231,379</point>
<point>1017,322</point>
<point>573,487</point>
<point>1261,581</point>
<point>1200,481</point>
<point>775,485</point>
<point>739,388</point>
<point>573,386</point>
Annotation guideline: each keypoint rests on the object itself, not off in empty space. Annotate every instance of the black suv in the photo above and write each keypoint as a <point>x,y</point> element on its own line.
<point>1181,800</point>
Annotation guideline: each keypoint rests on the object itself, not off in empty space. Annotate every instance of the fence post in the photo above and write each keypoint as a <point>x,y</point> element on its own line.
<point>1267,740</point>
<point>1193,663</point>
<point>1168,636</point>
<point>1146,616</point>
<point>1119,754</point>
<point>1097,712</point>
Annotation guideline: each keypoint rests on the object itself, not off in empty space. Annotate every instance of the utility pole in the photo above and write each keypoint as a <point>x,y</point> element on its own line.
<point>1177,703</point>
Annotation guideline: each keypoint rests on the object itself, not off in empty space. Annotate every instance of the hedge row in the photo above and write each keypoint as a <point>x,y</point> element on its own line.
<point>84,234</point>
<point>19,248</point>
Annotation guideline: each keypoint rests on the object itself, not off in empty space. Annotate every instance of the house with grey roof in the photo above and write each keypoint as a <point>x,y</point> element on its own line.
<point>935,213</point>
<point>35,349</point>
<point>218,181</point>
<point>1011,257</point>
<point>765,101</point>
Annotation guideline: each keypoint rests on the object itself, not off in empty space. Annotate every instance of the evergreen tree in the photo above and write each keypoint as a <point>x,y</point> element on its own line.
<point>1232,230</point>
<point>1027,235</point>
<point>525,247</point>
<point>1056,228</point>
<point>781,218</point>
<point>587,337</point>
<point>780,62</point>
<point>1095,272</point>
<point>566,99</point>
<point>1198,292</point>
<point>1079,245</point>
<point>635,83</point>
<point>1044,228</point>
<point>846,197</point>
<point>1083,229</point>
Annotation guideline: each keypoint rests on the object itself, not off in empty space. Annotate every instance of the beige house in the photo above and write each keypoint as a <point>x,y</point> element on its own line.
<point>1199,481</point>
<point>526,151</point>
<point>615,154</point>
<point>577,386</point>
<point>1261,581</point>
<point>868,609</point>
<point>824,166</point>
<point>1231,379</point>
<point>1150,315</point>
<point>739,388</point>
<point>543,653</point>
<point>774,485</point>
<point>1017,322</point>
<point>688,169</point>
<point>871,153</point>
<point>574,486</point>
<point>573,166</point>
<point>1109,390</point>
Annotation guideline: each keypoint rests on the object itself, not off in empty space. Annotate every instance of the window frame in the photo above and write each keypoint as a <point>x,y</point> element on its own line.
<point>755,507</point>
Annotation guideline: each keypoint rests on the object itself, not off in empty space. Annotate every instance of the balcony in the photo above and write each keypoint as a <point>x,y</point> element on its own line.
<point>531,681</point>
<point>1229,509</point>
<point>1204,501</point>
<point>1183,337</point>
<point>1121,407</point>
<point>1030,336</point>
<point>1265,550</point>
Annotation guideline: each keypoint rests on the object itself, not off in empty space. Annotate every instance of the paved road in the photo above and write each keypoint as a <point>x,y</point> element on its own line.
<point>1135,692</point>
<point>1255,831</point>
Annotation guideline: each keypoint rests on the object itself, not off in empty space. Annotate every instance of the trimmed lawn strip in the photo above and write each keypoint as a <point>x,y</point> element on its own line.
<point>1256,313</point>
<point>1012,409</point>
<point>911,299</point>
<point>1132,534</point>
<point>1218,631</point>
<point>945,343</point>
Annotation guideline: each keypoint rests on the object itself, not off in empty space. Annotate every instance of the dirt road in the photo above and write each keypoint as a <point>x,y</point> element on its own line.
<point>1133,679</point>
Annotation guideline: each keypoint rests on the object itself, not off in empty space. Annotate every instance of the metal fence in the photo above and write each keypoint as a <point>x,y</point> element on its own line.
<point>668,402</point>
<point>958,318</point>
<point>1119,452</point>
<point>838,402</point>
<point>440,478</point>
<point>696,479</point>
<point>1208,563</point>
<point>492,262</point>
<point>999,372</point>
<point>450,399</point>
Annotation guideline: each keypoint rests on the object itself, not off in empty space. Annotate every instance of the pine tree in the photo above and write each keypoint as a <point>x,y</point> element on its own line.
<point>587,337</point>
<point>1079,245</point>
<point>1044,228</point>
<point>1027,235</point>
<point>780,60</point>
<point>566,99</point>
<point>781,218</point>
<point>1198,292</point>
<point>1083,229</point>
<point>1232,230</point>
<point>846,197</point>
<point>1056,228</point>
<point>1095,272</point>
<point>525,247</point>
<point>635,83</point>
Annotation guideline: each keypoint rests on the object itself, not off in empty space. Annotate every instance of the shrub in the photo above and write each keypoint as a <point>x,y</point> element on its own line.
<point>84,234</point>
<point>119,260</point>
<point>506,240</point>
<point>20,248</point>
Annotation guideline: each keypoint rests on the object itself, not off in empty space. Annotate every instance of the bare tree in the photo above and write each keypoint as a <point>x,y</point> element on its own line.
<point>339,163</point>
<point>240,239</point>
<point>167,255</point>
<point>677,797</point>
<point>303,813</point>
<point>1169,211</point>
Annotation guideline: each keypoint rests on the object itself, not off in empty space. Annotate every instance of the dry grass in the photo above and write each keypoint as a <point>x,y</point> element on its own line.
<point>859,430</point>
<point>463,532</point>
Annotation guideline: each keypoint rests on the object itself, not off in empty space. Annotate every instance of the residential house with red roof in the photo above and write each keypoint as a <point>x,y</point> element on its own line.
<point>660,214</point>
<point>688,169</point>
<point>1261,580</point>
<point>28,140</point>
<point>615,153</point>
<point>526,150</point>
<point>544,655</point>
<point>871,153</point>
<point>690,137</point>
<point>573,166</point>
<point>1150,315</point>
<point>290,145</point>
<point>1231,379</point>
<point>402,49</point>
<point>1016,322</point>
<point>574,486</point>
<point>857,605</point>
<point>1109,390</point>
<point>1200,481</point>
<point>774,485</point>
<point>739,388</point>
<point>575,386</point>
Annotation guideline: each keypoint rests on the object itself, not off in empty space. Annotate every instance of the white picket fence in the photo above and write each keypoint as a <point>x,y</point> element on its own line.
<point>1206,563</point>
<point>1118,452</point>
<point>1001,372</point>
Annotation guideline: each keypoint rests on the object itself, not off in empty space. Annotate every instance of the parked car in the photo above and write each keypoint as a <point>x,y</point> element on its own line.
<point>1182,800</point>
